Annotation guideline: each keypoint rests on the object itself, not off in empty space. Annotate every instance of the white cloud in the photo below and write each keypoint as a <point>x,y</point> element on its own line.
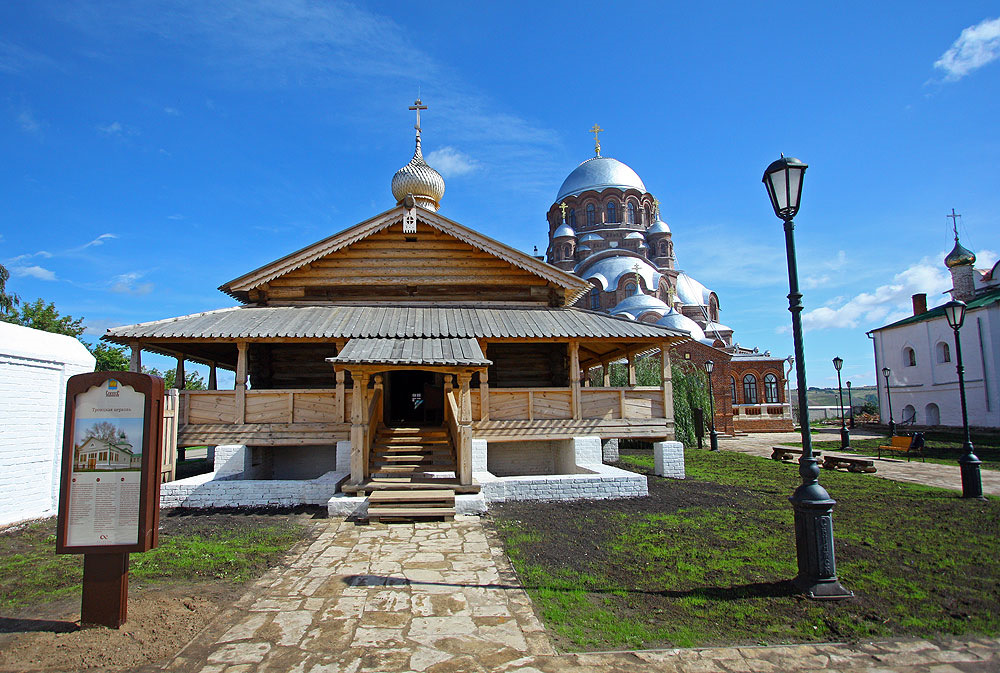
<point>32,272</point>
<point>26,120</point>
<point>974,48</point>
<point>126,284</point>
<point>175,216</point>
<point>15,59</point>
<point>451,162</point>
<point>98,241</point>
<point>117,129</point>
<point>172,111</point>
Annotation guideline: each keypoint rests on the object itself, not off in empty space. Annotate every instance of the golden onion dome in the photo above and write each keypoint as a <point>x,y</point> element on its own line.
<point>419,179</point>
<point>959,256</point>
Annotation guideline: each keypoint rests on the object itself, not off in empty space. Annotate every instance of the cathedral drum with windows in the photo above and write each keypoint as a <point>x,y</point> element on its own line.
<point>606,227</point>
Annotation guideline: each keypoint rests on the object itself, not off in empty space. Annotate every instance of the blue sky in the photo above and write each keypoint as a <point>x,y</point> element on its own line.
<point>154,150</point>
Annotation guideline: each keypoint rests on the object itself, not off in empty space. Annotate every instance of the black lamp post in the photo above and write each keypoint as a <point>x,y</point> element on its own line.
<point>813,506</point>
<point>888,396</point>
<point>713,436</point>
<point>972,485</point>
<point>845,435</point>
<point>850,405</point>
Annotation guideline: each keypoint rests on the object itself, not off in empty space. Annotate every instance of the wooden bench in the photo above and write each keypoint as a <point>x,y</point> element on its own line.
<point>852,464</point>
<point>910,446</point>
<point>788,452</point>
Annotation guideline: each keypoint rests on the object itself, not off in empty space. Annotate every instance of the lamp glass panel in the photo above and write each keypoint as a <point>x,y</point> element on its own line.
<point>778,189</point>
<point>794,185</point>
<point>955,313</point>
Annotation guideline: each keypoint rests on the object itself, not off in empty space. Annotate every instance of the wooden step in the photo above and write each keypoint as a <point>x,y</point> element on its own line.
<point>408,469</point>
<point>409,483</point>
<point>444,496</point>
<point>409,513</point>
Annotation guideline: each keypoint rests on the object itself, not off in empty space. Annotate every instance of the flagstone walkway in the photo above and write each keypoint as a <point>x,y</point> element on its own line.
<point>440,598</point>
<point>896,469</point>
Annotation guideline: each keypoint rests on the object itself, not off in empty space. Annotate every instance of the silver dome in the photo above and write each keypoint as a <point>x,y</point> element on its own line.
<point>690,292</point>
<point>716,328</point>
<point>563,230</point>
<point>591,237</point>
<point>677,320</point>
<point>419,179</point>
<point>658,227</point>
<point>599,173</point>
<point>639,304</point>
<point>634,235</point>
<point>609,270</point>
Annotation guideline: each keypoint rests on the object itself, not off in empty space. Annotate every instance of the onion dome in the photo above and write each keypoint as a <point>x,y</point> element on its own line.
<point>690,292</point>
<point>658,227</point>
<point>676,320</point>
<point>639,304</point>
<point>599,173</point>
<point>419,179</point>
<point>634,235</point>
<point>564,231</point>
<point>959,256</point>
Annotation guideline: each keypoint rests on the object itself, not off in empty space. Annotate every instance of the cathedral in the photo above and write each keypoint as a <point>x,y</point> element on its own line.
<point>606,228</point>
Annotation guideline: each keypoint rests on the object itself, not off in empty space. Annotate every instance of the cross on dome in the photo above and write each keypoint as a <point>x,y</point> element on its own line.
<point>954,222</point>
<point>418,106</point>
<point>597,141</point>
<point>563,207</point>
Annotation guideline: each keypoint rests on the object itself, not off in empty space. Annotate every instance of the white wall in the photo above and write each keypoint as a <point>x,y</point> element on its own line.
<point>930,381</point>
<point>34,368</point>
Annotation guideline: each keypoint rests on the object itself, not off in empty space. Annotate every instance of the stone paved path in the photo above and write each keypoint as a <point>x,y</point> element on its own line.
<point>440,598</point>
<point>914,471</point>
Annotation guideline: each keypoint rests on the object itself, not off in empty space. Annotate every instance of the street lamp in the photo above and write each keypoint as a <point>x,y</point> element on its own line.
<point>888,396</point>
<point>713,436</point>
<point>850,405</point>
<point>845,436</point>
<point>972,485</point>
<point>813,506</point>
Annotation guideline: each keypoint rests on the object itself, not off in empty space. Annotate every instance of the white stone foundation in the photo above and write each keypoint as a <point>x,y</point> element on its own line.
<point>668,459</point>
<point>609,447</point>
<point>599,482</point>
<point>208,490</point>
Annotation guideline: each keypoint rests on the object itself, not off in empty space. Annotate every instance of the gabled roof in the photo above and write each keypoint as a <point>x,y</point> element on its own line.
<point>575,287</point>
<point>981,301</point>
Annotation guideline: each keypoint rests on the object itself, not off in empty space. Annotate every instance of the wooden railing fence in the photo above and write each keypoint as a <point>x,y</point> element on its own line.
<point>168,459</point>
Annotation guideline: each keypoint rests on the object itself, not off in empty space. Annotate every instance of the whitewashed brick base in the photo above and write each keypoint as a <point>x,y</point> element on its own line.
<point>205,490</point>
<point>609,449</point>
<point>668,459</point>
<point>344,456</point>
<point>601,482</point>
<point>230,461</point>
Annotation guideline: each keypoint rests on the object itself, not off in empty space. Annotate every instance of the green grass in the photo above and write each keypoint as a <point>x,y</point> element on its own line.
<point>706,561</point>
<point>31,572</point>
<point>943,449</point>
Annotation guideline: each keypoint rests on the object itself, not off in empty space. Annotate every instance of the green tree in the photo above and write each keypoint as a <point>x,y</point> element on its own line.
<point>7,301</point>
<point>109,358</point>
<point>192,380</point>
<point>39,315</point>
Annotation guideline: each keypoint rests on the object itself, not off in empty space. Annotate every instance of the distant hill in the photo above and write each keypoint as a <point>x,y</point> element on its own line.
<point>827,397</point>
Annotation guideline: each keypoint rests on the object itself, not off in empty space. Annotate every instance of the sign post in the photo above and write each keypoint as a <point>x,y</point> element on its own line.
<point>110,490</point>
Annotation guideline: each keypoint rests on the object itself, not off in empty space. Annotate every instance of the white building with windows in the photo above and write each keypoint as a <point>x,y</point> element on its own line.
<point>919,352</point>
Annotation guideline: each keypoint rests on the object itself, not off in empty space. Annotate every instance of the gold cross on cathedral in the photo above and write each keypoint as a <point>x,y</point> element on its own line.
<point>563,207</point>
<point>954,222</point>
<point>418,106</point>
<point>656,206</point>
<point>597,141</point>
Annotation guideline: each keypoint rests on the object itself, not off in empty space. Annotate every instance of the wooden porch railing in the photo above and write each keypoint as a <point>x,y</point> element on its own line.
<point>530,404</point>
<point>201,407</point>
<point>168,458</point>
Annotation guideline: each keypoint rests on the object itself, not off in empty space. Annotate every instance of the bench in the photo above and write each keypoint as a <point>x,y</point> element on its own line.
<point>788,452</point>
<point>910,446</point>
<point>866,465</point>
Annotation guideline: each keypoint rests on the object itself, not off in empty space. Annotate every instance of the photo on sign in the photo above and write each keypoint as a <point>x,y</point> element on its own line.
<point>112,444</point>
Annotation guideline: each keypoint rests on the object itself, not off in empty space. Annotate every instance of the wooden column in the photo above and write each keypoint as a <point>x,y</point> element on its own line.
<point>631,370</point>
<point>339,401</point>
<point>574,380</point>
<point>484,395</point>
<point>668,384</point>
<point>135,361</point>
<point>358,409</point>
<point>179,381</point>
<point>213,381</point>
<point>464,429</point>
<point>606,374</point>
<point>241,382</point>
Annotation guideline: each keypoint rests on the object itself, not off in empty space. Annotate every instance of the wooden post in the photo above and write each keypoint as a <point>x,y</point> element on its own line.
<point>241,382</point>
<point>213,380</point>
<point>484,395</point>
<point>179,381</point>
<point>358,408</point>
<point>464,429</point>
<point>105,589</point>
<point>339,403</point>
<point>606,374</point>
<point>574,381</point>
<point>668,384</point>
<point>632,381</point>
<point>623,410</point>
<point>135,361</point>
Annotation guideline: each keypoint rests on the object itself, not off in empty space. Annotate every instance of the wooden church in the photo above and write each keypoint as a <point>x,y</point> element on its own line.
<point>418,353</point>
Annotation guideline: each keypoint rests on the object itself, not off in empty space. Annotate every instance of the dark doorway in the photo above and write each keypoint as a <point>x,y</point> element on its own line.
<point>415,398</point>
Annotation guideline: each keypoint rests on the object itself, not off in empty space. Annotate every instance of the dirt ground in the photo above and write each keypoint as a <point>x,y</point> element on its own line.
<point>162,617</point>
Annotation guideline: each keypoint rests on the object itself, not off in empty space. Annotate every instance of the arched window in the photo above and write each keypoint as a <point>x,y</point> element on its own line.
<point>661,249</point>
<point>771,389</point>
<point>732,388</point>
<point>629,288</point>
<point>567,251</point>
<point>571,218</point>
<point>909,414</point>
<point>750,389</point>
<point>631,212</point>
<point>909,357</point>
<point>943,353</point>
<point>647,219</point>
<point>595,299</point>
<point>612,212</point>
<point>933,414</point>
<point>591,215</point>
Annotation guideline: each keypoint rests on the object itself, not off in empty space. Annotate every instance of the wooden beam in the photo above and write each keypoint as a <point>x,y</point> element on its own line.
<point>632,381</point>
<point>179,378</point>
<point>135,361</point>
<point>213,379</point>
<point>574,377</point>
<point>358,408</point>
<point>241,382</point>
<point>668,385</point>
<point>339,401</point>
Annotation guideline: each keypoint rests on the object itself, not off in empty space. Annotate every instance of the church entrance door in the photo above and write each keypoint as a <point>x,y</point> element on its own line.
<point>414,398</point>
